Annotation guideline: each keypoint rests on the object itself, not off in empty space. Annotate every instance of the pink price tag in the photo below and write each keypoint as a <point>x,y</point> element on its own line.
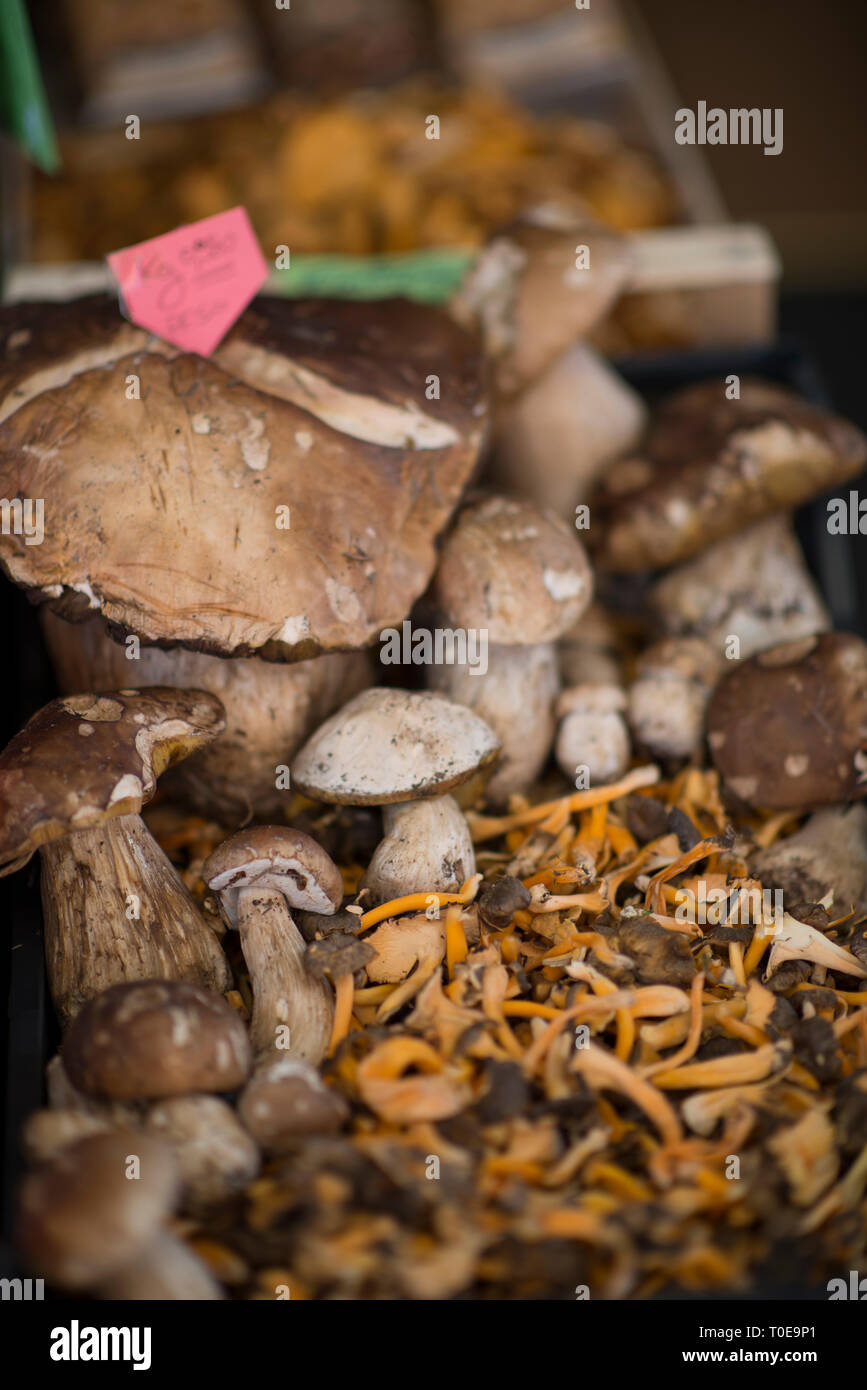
<point>190,285</point>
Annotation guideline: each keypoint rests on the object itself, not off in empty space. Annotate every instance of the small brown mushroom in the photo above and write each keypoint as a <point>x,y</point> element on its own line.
<point>156,1038</point>
<point>259,875</point>
<point>711,464</point>
<point>787,729</point>
<point>389,747</point>
<point>521,578</point>
<point>71,785</point>
<point>286,1101</point>
<point>94,1219</point>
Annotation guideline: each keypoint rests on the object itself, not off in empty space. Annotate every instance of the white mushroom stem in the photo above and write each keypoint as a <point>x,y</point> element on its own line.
<point>285,993</point>
<point>427,847</point>
<point>828,852</point>
<point>754,584</point>
<point>593,735</point>
<point>576,418</point>
<point>667,702</point>
<point>115,910</point>
<point>794,940</point>
<point>515,696</point>
<point>166,1270</point>
<point>271,708</point>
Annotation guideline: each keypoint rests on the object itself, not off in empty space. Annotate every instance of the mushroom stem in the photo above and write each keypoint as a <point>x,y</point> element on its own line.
<point>285,993</point>
<point>427,847</point>
<point>828,852</point>
<point>116,910</point>
<point>515,696</point>
<point>166,1270</point>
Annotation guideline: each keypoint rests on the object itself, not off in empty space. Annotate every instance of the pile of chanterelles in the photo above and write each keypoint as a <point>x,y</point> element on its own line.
<point>248,526</point>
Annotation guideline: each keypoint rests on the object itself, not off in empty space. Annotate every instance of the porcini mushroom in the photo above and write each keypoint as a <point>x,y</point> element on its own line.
<point>94,1219</point>
<point>399,746</point>
<point>521,578</point>
<point>529,294</point>
<point>71,785</point>
<point>592,732</point>
<point>710,464</point>
<point>156,1038</point>
<point>259,875</point>
<point>286,1101</point>
<point>753,586</point>
<point>310,450</point>
<point>787,729</point>
<point>827,855</point>
<point>667,701</point>
<point>271,708</point>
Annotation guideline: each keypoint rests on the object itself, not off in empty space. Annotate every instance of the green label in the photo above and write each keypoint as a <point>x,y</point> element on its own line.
<point>427,276</point>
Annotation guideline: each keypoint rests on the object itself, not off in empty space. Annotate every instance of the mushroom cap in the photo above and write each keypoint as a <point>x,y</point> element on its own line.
<point>274,856</point>
<point>85,758</point>
<point>155,1038</point>
<point>286,1100</point>
<point>81,1217</point>
<point>320,406</point>
<point>519,573</point>
<point>393,745</point>
<point>529,294</point>
<point>787,729</point>
<point>754,583</point>
<point>710,465</point>
<point>271,708</point>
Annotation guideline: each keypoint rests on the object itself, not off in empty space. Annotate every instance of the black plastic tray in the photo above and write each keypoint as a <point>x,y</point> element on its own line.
<point>31,1033</point>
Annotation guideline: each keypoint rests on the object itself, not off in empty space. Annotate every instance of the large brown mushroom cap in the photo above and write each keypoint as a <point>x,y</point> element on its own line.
<point>156,1038</point>
<point>85,758</point>
<point>518,573</point>
<point>787,729</point>
<point>710,465</point>
<point>82,1216</point>
<point>393,745</point>
<point>161,508</point>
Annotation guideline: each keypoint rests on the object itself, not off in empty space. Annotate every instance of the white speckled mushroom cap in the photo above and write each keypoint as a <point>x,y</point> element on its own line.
<point>393,745</point>
<point>519,574</point>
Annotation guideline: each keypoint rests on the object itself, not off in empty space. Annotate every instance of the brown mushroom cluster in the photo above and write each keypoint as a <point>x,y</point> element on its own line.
<point>541,967</point>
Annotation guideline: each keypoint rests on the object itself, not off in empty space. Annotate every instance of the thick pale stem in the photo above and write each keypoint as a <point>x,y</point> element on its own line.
<point>116,910</point>
<point>426,848</point>
<point>285,993</point>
